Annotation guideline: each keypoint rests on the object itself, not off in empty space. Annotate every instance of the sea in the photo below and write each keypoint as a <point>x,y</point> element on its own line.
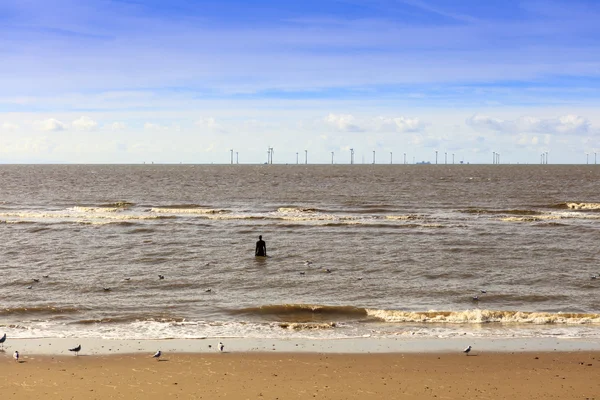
<point>378,251</point>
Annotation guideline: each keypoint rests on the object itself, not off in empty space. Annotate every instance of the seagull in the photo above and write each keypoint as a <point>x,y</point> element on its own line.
<point>45,276</point>
<point>36,280</point>
<point>467,350</point>
<point>221,346</point>
<point>76,349</point>
<point>594,277</point>
<point>208,290</point>
<point>161,277</point>
<point>475,298</point>
<point>157,354</point>
<point>302,273</point>
<point>483,291</point>
<point>308,263</point>
<point>16,356</point>
<point>2,340</point>
<point>106,289</point>
<point>327,270</point>
<point>29,287</point>
<point>127,279</point>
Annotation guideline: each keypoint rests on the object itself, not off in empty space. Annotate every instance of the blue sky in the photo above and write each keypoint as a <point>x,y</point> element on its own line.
<point>130,81</point>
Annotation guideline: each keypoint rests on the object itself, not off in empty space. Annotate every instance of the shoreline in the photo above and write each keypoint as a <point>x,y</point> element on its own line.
<point>92,346</point>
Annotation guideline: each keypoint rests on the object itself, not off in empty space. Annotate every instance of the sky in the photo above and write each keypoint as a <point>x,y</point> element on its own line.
<point>182,81</point>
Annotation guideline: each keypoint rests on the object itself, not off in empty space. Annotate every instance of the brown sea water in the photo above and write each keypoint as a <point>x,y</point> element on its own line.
<point>406,246</point>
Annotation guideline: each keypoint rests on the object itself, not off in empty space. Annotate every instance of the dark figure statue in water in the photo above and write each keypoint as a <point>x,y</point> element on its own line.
<point>261,248</point>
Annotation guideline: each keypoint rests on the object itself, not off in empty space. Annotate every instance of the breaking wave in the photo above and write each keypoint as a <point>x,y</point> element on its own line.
<point>184,210</point>
<point>584,206</point>
<point>477,316</point>
<point>297,312</point>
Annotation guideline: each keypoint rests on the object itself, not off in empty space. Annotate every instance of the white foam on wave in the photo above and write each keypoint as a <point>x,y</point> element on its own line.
<point>196,210</point>
<point>97,209</point>
<point>478,316</point>
<point>583,206</point>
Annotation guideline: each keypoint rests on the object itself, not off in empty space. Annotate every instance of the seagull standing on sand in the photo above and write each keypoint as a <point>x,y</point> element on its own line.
<point>157,354</point>
<point>2,340</point>
<point>76,350</point>
<point>16,356</point>
<point>467,350</point>
<point>221,346</point>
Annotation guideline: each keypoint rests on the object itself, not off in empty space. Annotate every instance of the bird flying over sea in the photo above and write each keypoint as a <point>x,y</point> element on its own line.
<point>76,350</point>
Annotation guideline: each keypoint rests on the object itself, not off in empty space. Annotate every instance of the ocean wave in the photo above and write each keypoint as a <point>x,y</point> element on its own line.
<point>501,212</point>
<point>301,210</point>
<point>408,217</point>
<point>531,218</point>
<point>576,205</point>
<point>477,316</point>
<point>39,310</point>
<point>584,206</point>
<point>129,319</point>
<point>301,326</point>
<point>77,216</point>
<point>94,209</point>
<point>298,312</point>
<point>183,210</point>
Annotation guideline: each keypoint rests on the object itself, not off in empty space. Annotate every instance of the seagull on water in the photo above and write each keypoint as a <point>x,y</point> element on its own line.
<point>157,354</point>
<point>308,263</point>
<point>2,340</point>
<point>161,277</point>
<point>45,276</point>
<point>36,280</point>
<point>467,350</point>
<point>475,298</point>
<point>106,289</point>
<point>208,290</point>
<point>76,349</point>
<point>16,356</point>
<point>29,287</point>
<point>302,273</point>
<point>483,291</point>
<point>221,346</point>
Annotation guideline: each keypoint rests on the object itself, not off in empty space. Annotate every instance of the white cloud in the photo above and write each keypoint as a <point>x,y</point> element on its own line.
<point>51,125</point>
<point>343,122</point>
<point>399,124</point>
<point>117,126</point>
<point>153,127</point>
<point>84,124</point>
<point>564,125</point>
<point>7,126</point>
<point>484,121</point>
<point>210,124</point>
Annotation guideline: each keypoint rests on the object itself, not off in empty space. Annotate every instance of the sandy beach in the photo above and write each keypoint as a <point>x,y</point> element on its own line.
<point>248,375</point>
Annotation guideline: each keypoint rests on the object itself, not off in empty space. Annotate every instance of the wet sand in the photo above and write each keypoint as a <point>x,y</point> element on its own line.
<point>262,375</point>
